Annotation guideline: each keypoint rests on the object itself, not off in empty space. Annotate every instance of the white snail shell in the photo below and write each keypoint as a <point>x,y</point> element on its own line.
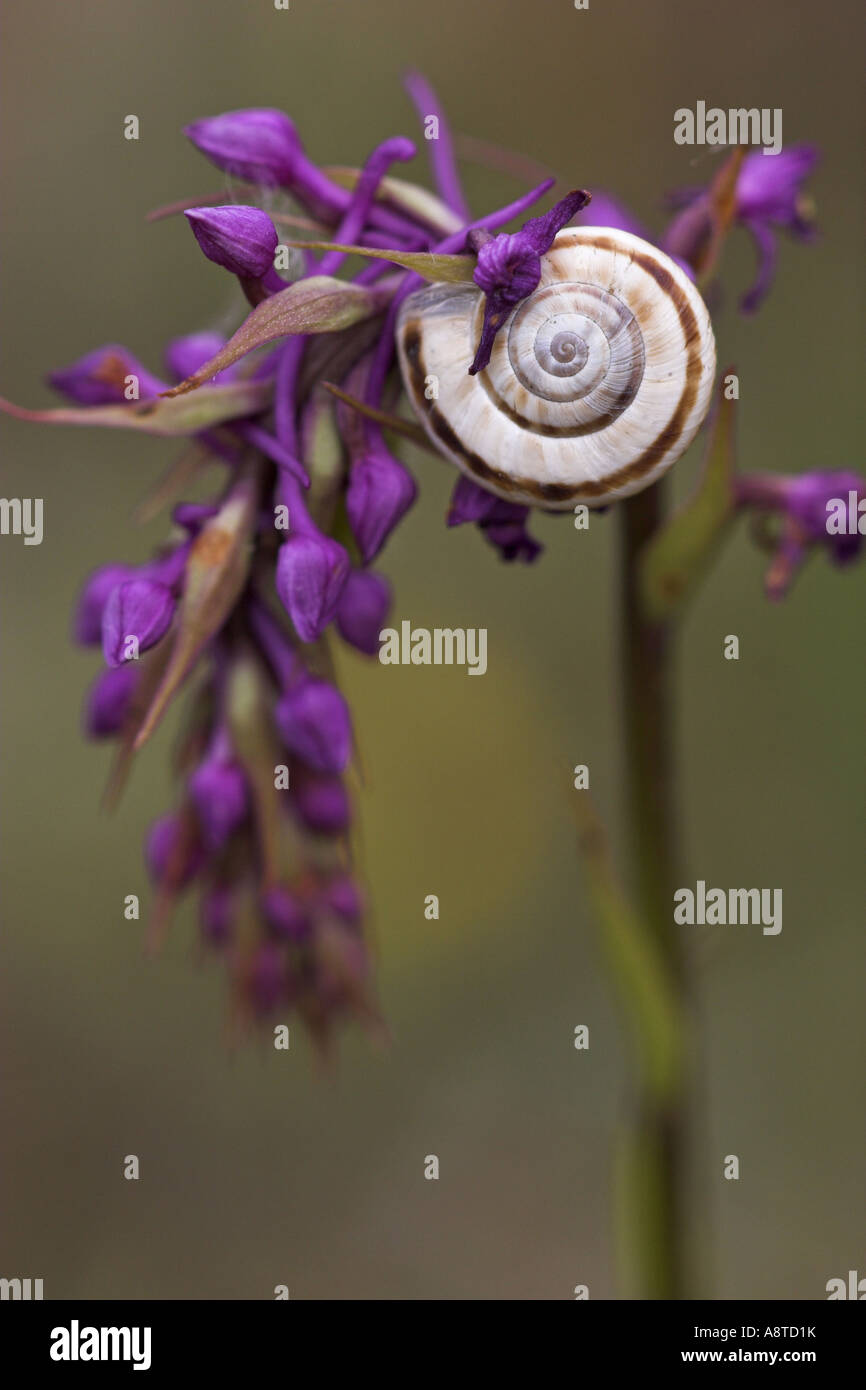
<point>597,382</point>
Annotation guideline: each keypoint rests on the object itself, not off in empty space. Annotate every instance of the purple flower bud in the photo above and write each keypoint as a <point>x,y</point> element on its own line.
<point>817,508</point>
<point>469,502</point>
<point>259,145</point>
<point>363,610</point>
<point>313,719</point>
<point>218,791</point>
<point>769,195</point>
<point>285,914</point>
<point>811,497</point>
<point>509,264</point>
<point>108,701</point>
<point>141,609</point>
<point>312,571</point>
<point>94,596</point>
<point>193,515</point>
<point>323,803</point>
<point>505,529</point>
<point>106,376</point>
<point>217,915</point>
<point>241,239</point>
<point>172,857</point>
<point>184,356</point>
<point>168,567</point>
<point>379,494</point>
<point>503,524</point>
<point>509,267</point>
<point>770,187</point>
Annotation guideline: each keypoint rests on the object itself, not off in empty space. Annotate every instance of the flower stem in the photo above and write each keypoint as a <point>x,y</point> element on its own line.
<point>650,1180</point>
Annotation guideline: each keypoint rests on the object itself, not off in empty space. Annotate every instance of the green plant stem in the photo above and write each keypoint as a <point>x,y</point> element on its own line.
<point>650,1196</point>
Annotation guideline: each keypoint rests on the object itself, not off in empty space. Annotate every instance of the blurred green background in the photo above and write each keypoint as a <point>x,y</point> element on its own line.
<point>256,1171</point>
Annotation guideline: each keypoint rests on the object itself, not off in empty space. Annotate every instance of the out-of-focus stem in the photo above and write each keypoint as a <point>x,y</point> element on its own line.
<point>650,1178</point>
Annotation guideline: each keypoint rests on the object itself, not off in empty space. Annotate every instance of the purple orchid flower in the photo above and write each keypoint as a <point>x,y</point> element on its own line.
<point>105,376</point>
<point>363,610</point>
<point>769,197</point>
<point>243,240</point>
<point>501,523</point>
<point>813,509</point>
<point>509,267</point>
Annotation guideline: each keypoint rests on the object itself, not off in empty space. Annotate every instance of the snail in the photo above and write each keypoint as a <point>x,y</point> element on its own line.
<point>598,381</point>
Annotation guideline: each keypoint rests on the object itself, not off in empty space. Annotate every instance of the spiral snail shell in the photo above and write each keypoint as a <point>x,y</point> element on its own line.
<point>597,382</point>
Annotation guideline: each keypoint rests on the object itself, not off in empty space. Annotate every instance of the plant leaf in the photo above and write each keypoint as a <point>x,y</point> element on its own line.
<point>452,270</point>
<point>319,304</point>
<point>676,557</point>
<point>249,706</point>
<point>722,199</point>
<point>162,416</point>
<point>216,571</point>
<point>152,665</point>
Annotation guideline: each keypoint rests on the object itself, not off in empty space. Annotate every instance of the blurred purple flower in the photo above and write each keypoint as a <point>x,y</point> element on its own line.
<point>769,196</point>
<point>313,719</point>
<point>363,610</point>
<point>380,492</point>
<point>139,611</point>
<point>259,145</point>
<point>323,803</point>
<point>106,376</point>
<point>285,914</point>
<point>262,146</point>
<point>503,524</point>
<point>109,700</point>
<point>826,509</point>
<point>184,356</point>
<point>218,791</point>
<point>93,598</point>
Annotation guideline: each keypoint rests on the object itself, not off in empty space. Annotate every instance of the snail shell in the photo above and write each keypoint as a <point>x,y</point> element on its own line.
<point>597,383</point>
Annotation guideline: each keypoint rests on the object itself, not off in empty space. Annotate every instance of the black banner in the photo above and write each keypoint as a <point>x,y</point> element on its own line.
<point>154,1337</point>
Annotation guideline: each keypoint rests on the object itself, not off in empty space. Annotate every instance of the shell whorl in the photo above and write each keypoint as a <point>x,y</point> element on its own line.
<point>597,382</point>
